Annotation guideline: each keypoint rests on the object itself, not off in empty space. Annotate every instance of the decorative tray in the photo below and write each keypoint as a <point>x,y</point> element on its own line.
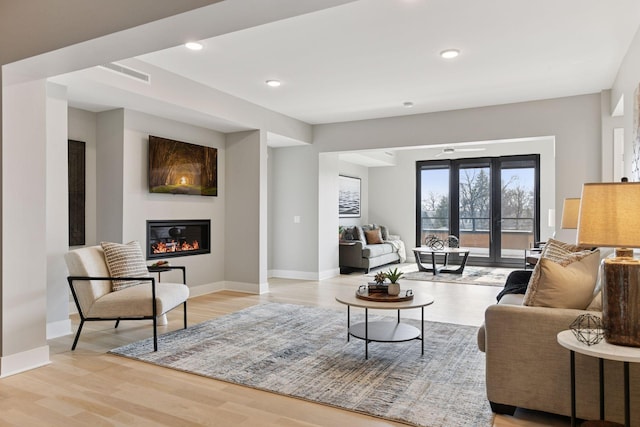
<point>363,293</point>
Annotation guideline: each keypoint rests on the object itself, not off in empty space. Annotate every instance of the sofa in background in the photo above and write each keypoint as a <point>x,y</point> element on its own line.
<point>527,368</point>
<point>369,246</point>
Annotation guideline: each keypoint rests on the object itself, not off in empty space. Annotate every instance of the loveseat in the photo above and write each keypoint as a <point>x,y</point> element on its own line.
<point>527,368</point>
<point>369,246</point>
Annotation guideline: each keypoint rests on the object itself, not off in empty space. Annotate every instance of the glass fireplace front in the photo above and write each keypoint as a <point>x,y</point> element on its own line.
<point>181,237</point>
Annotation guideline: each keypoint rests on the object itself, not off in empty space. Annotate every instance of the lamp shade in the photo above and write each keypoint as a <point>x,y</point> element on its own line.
<point>570,210</point>
<point>610,215</point>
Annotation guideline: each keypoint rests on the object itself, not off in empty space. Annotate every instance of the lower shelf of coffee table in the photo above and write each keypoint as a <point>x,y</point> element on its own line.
<point>381,331</point>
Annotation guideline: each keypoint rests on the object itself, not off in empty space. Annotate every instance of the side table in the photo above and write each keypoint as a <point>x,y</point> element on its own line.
<point>603,350</point>
<point>164,268</point>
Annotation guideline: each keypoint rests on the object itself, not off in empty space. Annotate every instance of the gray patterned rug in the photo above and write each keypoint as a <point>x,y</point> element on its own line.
<point>472,275</point>
<point>303,352</point>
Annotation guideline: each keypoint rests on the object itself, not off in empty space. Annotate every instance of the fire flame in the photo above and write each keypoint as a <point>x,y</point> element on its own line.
<point>173,246</point>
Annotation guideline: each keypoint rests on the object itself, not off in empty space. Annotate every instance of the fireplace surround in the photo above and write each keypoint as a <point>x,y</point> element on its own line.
<point>178,237</point>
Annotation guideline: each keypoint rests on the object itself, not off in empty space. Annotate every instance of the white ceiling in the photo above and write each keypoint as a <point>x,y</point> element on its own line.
<point>364,59</point>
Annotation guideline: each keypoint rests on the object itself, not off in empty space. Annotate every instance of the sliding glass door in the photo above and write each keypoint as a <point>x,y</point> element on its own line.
<point>490,204</point>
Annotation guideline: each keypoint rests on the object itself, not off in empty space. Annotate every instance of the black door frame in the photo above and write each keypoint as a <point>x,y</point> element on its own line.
<point>495,165</point>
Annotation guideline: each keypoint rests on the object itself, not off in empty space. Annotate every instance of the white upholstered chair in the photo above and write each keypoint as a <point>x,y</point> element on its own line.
<point>92,290</point>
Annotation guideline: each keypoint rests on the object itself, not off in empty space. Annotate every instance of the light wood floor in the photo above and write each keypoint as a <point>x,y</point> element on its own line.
<point>89,387</point>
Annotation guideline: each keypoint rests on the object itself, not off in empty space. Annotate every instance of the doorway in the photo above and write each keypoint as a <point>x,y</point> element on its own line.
<point>491,204</point>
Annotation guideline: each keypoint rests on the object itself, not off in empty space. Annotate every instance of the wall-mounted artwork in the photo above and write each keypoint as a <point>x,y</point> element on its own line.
<point>635,161</point>
<point>177,167</point>
<point>349,197</point>
<point>76,181</point>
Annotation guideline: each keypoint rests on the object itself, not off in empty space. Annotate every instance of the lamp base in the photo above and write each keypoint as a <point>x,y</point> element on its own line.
<point>621,301</point>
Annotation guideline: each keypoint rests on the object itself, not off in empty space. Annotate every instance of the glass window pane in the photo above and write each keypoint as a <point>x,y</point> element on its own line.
<point>518,210</point>
<point>475,209</point>
<point>434,203</point>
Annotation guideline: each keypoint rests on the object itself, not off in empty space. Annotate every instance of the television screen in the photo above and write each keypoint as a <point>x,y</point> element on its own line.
<point>177,167</point>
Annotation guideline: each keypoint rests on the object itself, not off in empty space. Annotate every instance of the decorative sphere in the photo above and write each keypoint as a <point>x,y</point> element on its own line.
<point>588,329</point>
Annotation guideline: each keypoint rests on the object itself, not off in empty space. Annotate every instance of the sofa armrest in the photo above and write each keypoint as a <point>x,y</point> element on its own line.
<point>351,254</point>
<point>525,365</point>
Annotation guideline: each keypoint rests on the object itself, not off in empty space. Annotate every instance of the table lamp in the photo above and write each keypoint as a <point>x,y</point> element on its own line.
<point>570,211</point>
<point>610,217</point>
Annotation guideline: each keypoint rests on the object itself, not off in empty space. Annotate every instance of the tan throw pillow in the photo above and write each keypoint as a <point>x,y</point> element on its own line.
<point>124,261</point>
<point>373,236</point>
<point>564,285</point>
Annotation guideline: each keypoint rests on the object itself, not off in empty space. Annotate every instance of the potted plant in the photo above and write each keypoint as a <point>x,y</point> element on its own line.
<point>393,276</point>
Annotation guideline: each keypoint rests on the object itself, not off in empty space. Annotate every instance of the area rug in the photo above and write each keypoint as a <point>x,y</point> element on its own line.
<point>487,276</point>
<point>303,352</point>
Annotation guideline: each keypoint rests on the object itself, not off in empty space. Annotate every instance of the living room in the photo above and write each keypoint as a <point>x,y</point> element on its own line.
<point>305,177</point>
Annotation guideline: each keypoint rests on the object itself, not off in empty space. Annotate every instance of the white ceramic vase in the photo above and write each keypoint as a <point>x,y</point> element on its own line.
<point>394,289</point>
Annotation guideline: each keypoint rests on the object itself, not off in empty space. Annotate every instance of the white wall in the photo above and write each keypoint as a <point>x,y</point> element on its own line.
<point>327,224</point>
<point>626,84</point>
<point>246,211</point>
<point>362,172</point>
<point>23,342</point>
<point>295,187</point>
<point>139,205</point>
<point>573,121</point>
<point>109,175</point>
<point>57,202</point>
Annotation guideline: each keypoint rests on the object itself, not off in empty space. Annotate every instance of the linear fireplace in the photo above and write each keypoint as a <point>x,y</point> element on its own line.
<point>180,237</point>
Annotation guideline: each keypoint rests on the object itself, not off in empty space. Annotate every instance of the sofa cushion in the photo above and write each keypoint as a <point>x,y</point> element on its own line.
<point>568,284</point>
<point>124,260</point>
<point>373,237</point>
<point>372,251</point>
<point>135,301</point>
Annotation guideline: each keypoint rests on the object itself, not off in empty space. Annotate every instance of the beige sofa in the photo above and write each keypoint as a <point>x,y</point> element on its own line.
<point>527,368</point>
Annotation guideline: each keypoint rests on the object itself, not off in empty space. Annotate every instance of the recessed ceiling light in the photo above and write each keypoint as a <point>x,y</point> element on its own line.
<point>273,83</point>
<point>449,53</point>
<point>407,104</point>
<point>193,46</point>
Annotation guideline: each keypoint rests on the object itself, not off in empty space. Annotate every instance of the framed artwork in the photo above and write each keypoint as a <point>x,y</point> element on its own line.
<point>348,197</point>
<point>177,167</point>
<point>76,176</point>
<point>635,160</point>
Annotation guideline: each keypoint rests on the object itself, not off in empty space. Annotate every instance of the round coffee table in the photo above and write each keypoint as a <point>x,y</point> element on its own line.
<point>384,331</point>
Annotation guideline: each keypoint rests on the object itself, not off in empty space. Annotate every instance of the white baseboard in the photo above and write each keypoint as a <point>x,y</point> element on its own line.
<point>59,329</point>
<point>207,288</point>
<point>304,275</point>
<point>24,361</point>
<point>328,274</point>
<point>247,288</point>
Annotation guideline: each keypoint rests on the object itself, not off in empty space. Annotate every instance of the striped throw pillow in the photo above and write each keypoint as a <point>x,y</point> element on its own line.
<point>124,261</point>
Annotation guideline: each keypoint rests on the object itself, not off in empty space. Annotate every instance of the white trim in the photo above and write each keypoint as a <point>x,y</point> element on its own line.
<point>304,275</point>
<point>24,361</point>
<point>207,288</point>
<point>294,274</point>
<point>59,328</point>
<point>249,288</point>
<point>328,274</point>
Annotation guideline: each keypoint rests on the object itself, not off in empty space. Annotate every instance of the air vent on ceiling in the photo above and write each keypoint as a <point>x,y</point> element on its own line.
<point>129,72</point>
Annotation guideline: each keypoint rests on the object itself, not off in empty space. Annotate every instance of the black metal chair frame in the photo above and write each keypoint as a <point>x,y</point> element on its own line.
<point>83,318</point>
